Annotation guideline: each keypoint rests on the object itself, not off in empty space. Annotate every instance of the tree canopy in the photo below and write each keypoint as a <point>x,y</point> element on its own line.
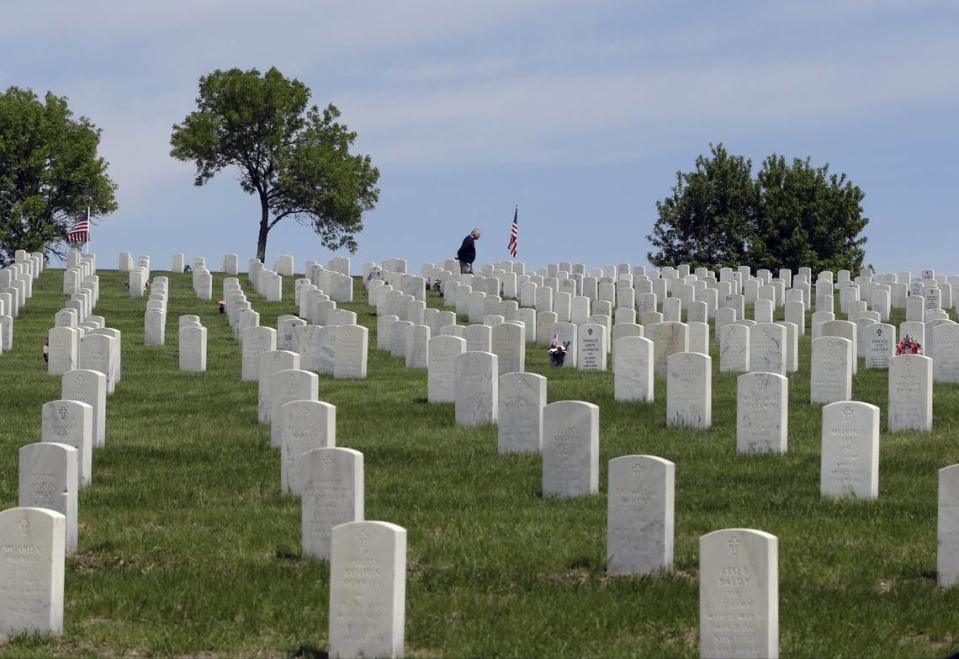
<point>791,215</point>
<point>296,159</point>
<point>50,173</point>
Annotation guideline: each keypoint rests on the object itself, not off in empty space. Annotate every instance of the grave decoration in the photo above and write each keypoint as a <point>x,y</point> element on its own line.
<point>908,346</point>
<point>557,351</point>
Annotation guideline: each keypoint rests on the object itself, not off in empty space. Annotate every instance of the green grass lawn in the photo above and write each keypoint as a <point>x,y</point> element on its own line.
<point>187,546</point>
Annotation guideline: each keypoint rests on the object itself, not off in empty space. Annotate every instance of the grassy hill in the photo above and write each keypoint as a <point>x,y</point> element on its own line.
<point>187,546</point>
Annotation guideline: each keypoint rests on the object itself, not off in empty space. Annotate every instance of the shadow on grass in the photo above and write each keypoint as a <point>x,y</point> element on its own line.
<point>287,554</point>
<point>309,652</point>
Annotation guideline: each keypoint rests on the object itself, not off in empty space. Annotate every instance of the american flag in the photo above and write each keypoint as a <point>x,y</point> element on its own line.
<point>513,246</point>
<point>80,233</point>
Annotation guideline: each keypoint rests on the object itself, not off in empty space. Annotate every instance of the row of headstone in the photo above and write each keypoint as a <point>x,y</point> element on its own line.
<point>191,344</point>
<point>43,529</point>
<point>202,279</point>
<point>367,558</point>
<point>138,279</point>
<point>154,318</point>
<point>268,282</point>
<point>334,280</point>
<point>16,287</point>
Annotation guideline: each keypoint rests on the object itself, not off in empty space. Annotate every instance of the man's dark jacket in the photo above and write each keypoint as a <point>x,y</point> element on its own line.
<point>467,251</point>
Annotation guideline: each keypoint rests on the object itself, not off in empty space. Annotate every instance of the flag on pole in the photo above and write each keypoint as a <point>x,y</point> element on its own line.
<point>513,246</point>
<point>80,233</point>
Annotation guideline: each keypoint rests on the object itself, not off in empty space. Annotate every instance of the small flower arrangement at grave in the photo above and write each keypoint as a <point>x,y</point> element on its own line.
<point>908,346</point>
<point>557,351</point>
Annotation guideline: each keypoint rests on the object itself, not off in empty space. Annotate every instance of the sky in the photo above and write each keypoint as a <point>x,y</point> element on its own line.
<point>578,113</point>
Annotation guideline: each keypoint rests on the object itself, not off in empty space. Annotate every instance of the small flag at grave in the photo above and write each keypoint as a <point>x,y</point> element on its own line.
<point>80,233</point>
<point>513,246</point>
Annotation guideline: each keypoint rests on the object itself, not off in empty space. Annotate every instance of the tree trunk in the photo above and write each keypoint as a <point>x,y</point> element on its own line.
<point>264,228</point>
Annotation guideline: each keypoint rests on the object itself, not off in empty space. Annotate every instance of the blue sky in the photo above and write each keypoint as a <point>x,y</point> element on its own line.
<point>579,112</point>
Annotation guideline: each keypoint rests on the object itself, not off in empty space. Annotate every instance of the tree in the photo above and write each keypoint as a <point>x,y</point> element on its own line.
<point>296,160</point>
<point>791,215</point>
<point>808,217</point>
<point>49,173</point>
<point>707,219</point>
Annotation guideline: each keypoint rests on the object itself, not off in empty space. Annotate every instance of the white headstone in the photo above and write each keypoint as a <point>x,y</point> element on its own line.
<point>762,401</point>
<point>910,393</point>
<point>351,348</point>
<point>256,341</point>
<point>570,449</point>
<point>98,352</point>
<point>332,495</point>
<point>591,348</point>
<point>479,338</point>
<point>508,343</point>
<point>739,594</point>
<point>669,338</point>
<point>640,514</point>
<point>476,388</point>
<point>64,353</point>
<point>734,348</point>
<point>689,390</point>
<point>88,387</point>
<point>522,397</point>
<point>945,353</point>
<point>767,348</point>
<point>154,327</point>
<point>285,387</point>
<point>947,561</point>
<point>31,571</point>
<point>850,450</point>
<point>847,330</point>
<point>417,347</point>
<point>307,425</point>
<point>831,376</point>
<point>70,422</point>
<point>633,369</point>
<point>367,590</point>
<point>879,342</point>
<point>440,378</point>
<point>49,479</point>
<point>271,362</point>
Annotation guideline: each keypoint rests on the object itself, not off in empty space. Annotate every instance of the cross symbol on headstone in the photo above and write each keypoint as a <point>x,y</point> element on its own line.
<point>733,545</point>
<point>590,331</point>
<point>363,538</point>
<point>24,525</point>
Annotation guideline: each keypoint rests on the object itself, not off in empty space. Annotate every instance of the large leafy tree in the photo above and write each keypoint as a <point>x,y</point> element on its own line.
<point>295,159</point>
<point>791,215</point>
<point>50,173</point>
<point>708,217</point>
<point>807,217</point>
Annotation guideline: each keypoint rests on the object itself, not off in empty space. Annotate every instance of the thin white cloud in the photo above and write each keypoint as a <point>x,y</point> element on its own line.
<point>517,117</point>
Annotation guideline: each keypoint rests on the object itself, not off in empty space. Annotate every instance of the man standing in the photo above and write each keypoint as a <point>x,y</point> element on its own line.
<point>467,252</point>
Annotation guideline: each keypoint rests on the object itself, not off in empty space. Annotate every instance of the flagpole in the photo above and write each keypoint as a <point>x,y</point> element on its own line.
<point>86,245</point>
